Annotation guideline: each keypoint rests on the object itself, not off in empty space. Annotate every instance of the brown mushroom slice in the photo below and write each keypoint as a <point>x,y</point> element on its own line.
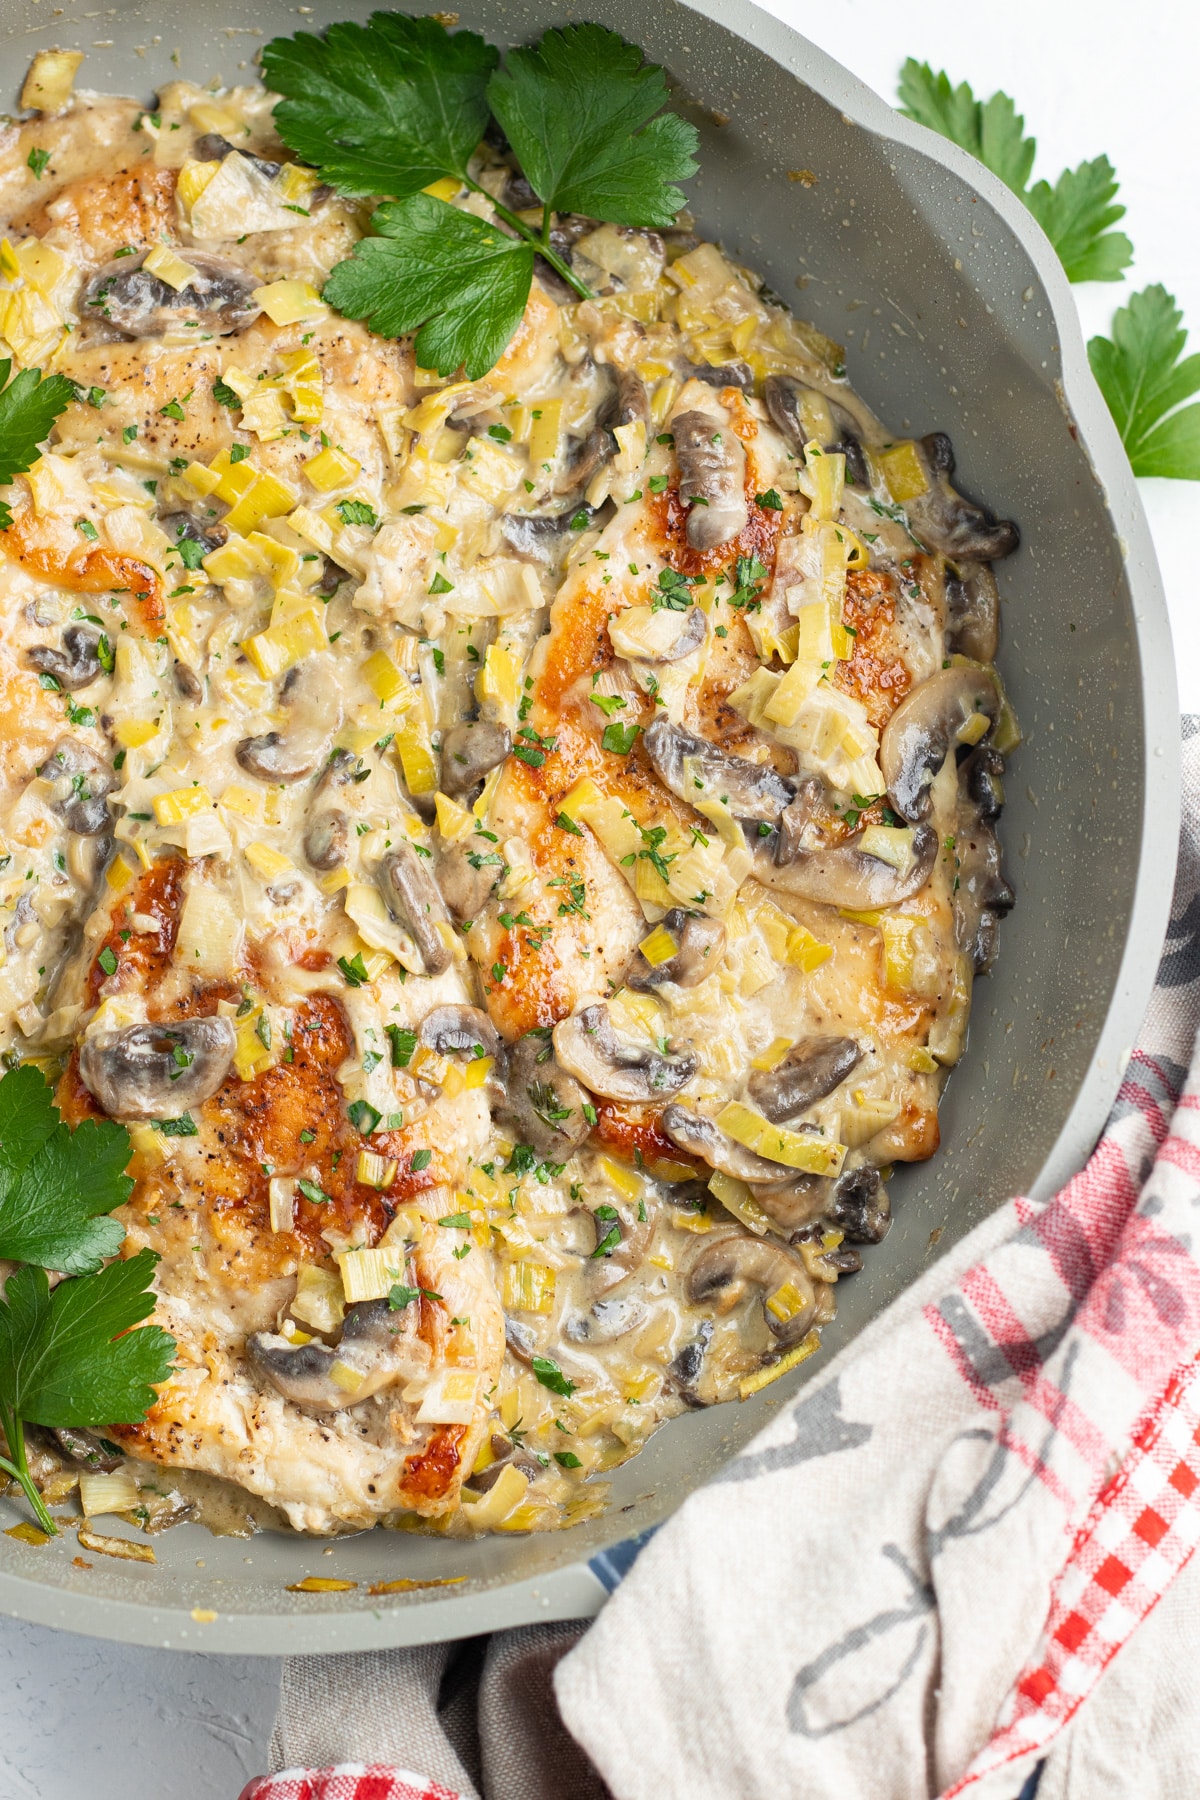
<point>471,751</point>
<point>982,895</point>
<point>77,664</point>
<point>712,471</point>
<point>725,1273</point>
<point>543,1103</point>
<point>846,875</point>
<point>700,1136</point>
<point>720,375</point>
<point>688,1364</point>
<point>788,401</point>
<point>378,1347</point>
<point>157,1071</point>
<point>412,892</point>
<point>218,299</point>
<point>680,759</point>
<point>928,722</point>
<point>85,1447</point>
<point>810,1070</point>
<point>587,1046</point>
<point>453,1029</point>
<point>327,838</point>
<point>631,404</point>
<point>80,786</point>
<point>606,1320</point>
<point>591,455</point>
<point>973,613</point>
<point>622,1239</point>
<point>794,1202</point>
<point>701,945</point>
<point>466,877</point>
<point>544,537</point>
<point>275,758</point>
<point>860,1205</point>
<point>946,520</point>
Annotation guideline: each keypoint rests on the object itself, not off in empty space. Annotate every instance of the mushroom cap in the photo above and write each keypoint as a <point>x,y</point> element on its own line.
<point>465,885</point>
<point>727,1269</point>
<point>860,1205</point>
<point>680,759</point>
<point>76,665</point>
<point>946,520</point>
<point>845,875</point>
<point>414,894</point>
<point>973,612</point>
<point>711,479</point>
<point>157,1071</point>
<point>662,637</point>
<point>470,751</point>
<point>327,837</point>
<point>701,1136</point>
<point>377,1343</point>
<point>139,304</point>
<point>543,1102</point>
<point>451,1028</point>
<point>587,1046</point>
<point>810,1070</point>
<point>918,737</point>
<point>273,757</point>
<point>80,785</point>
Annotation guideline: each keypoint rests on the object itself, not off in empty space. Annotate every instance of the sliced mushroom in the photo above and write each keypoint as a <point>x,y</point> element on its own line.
<point>343,767</point>
<point>139,304</point>
<point>982,895</point>
<point>85,1447</point>
<point>470,751</point>
<point>375,1351</point>
<point>725,1272</point>
<point>860,1206</point>
<point>680,759</point>
<point>794,1202</point>
<point>606,1320</point>
<point>327,838</point>
<point>786,400</point>
<point>846,875</point>
<point>590,1049</point>
<point>212,147</point>
<point>701,945</point>
<point>450,1030</point>
<point>631,402</point>
<point>188,682</point>
<point>466,877</point>
<point>412,892</point>
<point>589,457</point>
<point>701,1136</point>
<point>687,1365</point>
<point>77,664</point>
<point>157,1071</point>
<point>543,1103</point>
<point>275,758</point>
<point>642,635</point>
<point>946,520</point>
<point>545,537</point>
<point>973,613</point>
<point>80,787</point>
<point>521,1338</point>
<point>181,527</point>
<point>810,1070</point>
<point>918,737</point>
<point>721,375</point>
<point>712,467</point>
<point>505,1452</point>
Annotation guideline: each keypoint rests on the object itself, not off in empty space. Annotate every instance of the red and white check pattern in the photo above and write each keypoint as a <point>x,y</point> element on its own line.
<point>1141,1531</point>
<point>349,1781</point>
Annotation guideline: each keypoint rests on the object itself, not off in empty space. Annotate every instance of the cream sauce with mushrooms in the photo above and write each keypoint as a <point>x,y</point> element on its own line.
<point>480,802</point>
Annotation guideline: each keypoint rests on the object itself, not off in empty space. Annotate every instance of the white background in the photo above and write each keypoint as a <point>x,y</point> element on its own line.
<point>1091,76</point>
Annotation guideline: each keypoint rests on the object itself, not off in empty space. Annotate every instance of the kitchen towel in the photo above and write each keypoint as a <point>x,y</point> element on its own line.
<point>960,1554</point>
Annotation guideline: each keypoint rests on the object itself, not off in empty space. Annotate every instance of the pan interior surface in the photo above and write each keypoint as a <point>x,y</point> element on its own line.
<point>946,304</point>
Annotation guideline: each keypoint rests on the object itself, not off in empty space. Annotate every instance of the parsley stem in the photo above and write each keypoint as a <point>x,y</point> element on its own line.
<point>18,1469</point>
<point>539,240</point>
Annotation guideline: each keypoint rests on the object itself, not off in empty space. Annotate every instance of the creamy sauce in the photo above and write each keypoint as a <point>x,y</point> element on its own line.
<point>266,568</point>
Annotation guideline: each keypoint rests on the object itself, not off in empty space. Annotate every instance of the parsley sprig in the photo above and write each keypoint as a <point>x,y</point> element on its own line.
<point>29,406</point>
<point>1076,214</point>
<point>1144,375</point>
<point>390,107</point>
<point>1141,370</point>
<point>68,1356</point>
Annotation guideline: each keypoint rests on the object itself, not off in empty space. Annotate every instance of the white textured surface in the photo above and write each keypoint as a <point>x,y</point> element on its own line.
<point>82,1720</point>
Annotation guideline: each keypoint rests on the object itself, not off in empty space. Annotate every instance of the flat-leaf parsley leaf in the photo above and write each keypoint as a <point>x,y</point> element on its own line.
<point>1144,375</point>
<point>57,1185</point>
<point>28,408</point>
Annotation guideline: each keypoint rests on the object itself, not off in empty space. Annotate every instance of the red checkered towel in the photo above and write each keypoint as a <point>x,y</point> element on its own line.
<point>349,1781</point>
<point>917,1576</point>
